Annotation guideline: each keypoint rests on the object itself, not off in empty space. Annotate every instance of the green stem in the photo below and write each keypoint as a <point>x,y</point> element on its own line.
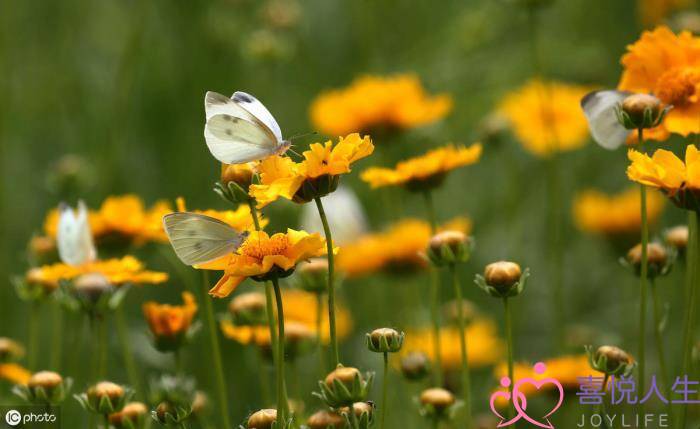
<point>656,303</point>
<point>264,375</point>
<point>57,337</point>
<point>100,325</point>
<point>509,342</point>
<point>466,382</point>
<point>385,383</point>
<point>319,333</point>
<point>643,283</point>
<point>555,250</point>
<point>33,328</point>
<point>434,294</point>
<point>282,405</point>
<point>254,214</point>
<point>602,411</point>
<point>129,364</point>
<point>331,285</point>
<point>693,267</point>
<point>215,350</point>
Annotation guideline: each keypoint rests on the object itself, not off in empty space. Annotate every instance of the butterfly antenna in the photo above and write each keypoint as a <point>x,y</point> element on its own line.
<point>294,152</point>
<point>298,136</point>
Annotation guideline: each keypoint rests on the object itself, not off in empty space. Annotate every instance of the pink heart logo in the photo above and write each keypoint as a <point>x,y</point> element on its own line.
<point>538,385</point>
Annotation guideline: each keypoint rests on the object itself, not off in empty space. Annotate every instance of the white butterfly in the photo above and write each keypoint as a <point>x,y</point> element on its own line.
<point>198,239</point>
<point>240,129</point>
<point>599,108</point>
<point>74,239</point>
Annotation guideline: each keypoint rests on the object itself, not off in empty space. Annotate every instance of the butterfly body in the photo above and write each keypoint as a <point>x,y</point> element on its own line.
<point>74,239</point>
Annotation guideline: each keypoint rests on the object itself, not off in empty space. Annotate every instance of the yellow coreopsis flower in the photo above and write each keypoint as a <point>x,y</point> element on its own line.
<point>118,271</point>
<point>262,257</point>
<point>372,102</point>
<point>546,117</point>
<point>239,219</point>
<point>668,66</point>
<point>600,213</point>
<point>425,171</point>
<point>14,373</point>
<point>399,247</point>
<point>315,176</point>
<point>170,323</point>
<point>483,348</point>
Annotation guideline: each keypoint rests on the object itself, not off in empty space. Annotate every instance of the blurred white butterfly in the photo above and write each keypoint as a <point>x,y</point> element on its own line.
<point>599,108</point>
<point>240,129</point>
<point>345,215</point>
<point>74,239</point>
<point>198,239</point>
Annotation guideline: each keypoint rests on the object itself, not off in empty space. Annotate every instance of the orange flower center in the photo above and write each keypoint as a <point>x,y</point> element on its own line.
<point>258,249</point>
<point>678,86</point>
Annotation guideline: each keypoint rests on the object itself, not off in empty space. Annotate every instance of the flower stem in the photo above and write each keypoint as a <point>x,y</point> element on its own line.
<point>282,406</point>
<point>693,267</point>
<point>434,295</point>
<point>509,342</point>
<point>215,350</point>
<point>658,333</point>
<point>384,386</point>
<point>643,282</point>
<point>101,325</point>
<point>123,335</point>
<point>331,285</point>
<point>466,383</point>
<point>319,334</point>
<point>33,341</point>
<point>57,337</point>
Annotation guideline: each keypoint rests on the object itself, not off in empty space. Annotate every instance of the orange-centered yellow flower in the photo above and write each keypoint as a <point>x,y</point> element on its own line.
<point>665,171</point>
<point>262,256</point>
<point>372,102</point>
<point>167,320</point>
<point>546,117</point>
<point>425,171</point>
<point>668,66</point>
<point>600,213</point>
<point>118,271</point>
<point>316,175</point>
<point>398,248</point>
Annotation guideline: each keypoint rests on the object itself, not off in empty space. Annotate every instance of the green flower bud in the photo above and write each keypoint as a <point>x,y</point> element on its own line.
<point>449,247</point>
<point>415,365</point>
<point>385,340</point>
<point>610,360</point>
<point>344,386</point>
<point>502,279</point>
<point>640,111</point>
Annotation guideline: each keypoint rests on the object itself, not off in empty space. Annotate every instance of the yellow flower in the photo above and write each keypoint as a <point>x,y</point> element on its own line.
<point>372,102</point>
<point>546,116</point>
<point>14,373</point>
<point>566,369</point>
<point>316,175</point>
<point>239,219</point>
<point>262,256</point>
<point>654,11</point>
<point>299,308</point>
<point>399,247</point>
<point>483,348</point>
<point>425,171</point>
<point>166,320</point>
<point>118,271</point>
<point>668,66</point>
<point>605,214</point>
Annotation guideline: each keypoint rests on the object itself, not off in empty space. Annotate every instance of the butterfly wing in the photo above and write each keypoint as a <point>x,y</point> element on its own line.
<point>599,108</point>
<point>257,109</point>
<point>74,239</point>
<point>198,239</point>
<point>233,140</point>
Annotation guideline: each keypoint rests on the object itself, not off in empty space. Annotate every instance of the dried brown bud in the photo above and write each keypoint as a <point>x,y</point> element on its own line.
<point>656,255</point>
<point>324,419</point>
<point>262,419</point>
<point>502,275</point>
<point>437,397</point>
<point>614,355</point>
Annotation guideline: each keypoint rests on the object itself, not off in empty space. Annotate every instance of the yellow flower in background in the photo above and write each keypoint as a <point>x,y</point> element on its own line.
<point>668,66</point>
<point>316,175</point>
<point>262,255</point>
<point>425,171</point>
<point>546,117</point>
<point>14,373</point>
<point>123,216</point>
<point>371,102</point>
<point>299,308</point>
<point>566,369</point>
<point>654,11</point>
<point>398,247</point>
<point>165,320</point>
<point>118,271</point>
<point>600,213</point>
<point>239,219</point>
<point>483,348</point>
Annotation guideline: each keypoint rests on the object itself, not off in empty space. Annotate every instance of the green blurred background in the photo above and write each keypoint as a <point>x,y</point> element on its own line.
<point>121,83</point>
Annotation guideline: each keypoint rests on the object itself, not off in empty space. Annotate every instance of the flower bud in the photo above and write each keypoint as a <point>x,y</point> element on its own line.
<point>677,237</point>
<point>10,350</point>
<point>640,111</point>
<point>437,402</point>
<point>262,419</point>
<point>502,279</point>
<point>610,360</point>
<point>415,365</point>
<point>312,275</point>
<point>452,308</point>
<point>657,259</point>
<point>132,415</point>
<point>344,386</point>
<point>240,174</point>
<point>385,340</point>
<point>316,188</point>
<point>45,387</point>
<point>163,410</point>
<point>449,247</point>
<point>344,374</point>
<point>91,287</point>
<point>325,419</point>
<point>200,403</point>
<point>104,398</point>
<point>248,309</point>
<point>42,249</point>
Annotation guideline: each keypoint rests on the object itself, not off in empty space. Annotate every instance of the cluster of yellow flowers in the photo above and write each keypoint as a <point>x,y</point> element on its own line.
<point>610,215</point>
